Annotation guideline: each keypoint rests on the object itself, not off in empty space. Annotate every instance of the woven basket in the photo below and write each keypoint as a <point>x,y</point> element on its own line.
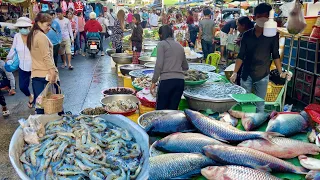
<point>53,103</point>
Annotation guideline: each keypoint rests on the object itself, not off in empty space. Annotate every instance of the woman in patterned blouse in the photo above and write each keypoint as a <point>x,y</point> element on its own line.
<point>117,32</point>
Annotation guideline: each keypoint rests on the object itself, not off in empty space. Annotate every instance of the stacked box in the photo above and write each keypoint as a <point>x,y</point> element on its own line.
<point>303,87</point>
<point>286,51</point>
<point>309,55</point>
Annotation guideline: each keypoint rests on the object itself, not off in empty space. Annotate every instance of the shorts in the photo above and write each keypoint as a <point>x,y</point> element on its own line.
<point>223,38</point>
<point>65,47</point>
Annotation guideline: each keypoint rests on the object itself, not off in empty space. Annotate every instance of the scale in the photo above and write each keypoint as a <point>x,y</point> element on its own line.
<point>246,102</point>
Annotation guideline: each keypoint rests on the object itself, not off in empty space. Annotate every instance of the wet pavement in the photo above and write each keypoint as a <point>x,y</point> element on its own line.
<point>82,88</point>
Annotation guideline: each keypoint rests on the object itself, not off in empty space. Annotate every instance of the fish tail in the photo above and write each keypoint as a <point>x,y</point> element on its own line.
<point>301,170</point>
<point>268,135</point>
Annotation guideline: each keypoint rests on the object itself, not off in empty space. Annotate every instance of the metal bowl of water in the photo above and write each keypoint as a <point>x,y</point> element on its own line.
<point>122,58</point>
<point>150,64</point>
<point>147,59</point>
<point>126,69</point>
<point>110,52</point>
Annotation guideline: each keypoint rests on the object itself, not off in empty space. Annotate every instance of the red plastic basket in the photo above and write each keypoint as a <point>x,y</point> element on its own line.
<point>147,103</point>
<point>129,113</point>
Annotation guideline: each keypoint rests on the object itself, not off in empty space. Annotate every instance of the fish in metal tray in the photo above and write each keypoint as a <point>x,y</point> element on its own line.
<point>223,131</point>
<point>288,123</point>
<point>170,123</point>
<point>173,165</point>
<point>281,147</point>
<point>185,143</point>
<point>309,162</point>
<point>251,121</point>
<point>235,173</point>
<point>242,156</point>
<point>313,175</point>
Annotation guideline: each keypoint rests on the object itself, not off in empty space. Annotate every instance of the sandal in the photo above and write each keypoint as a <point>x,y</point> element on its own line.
<point>12,92</point>
<point>30,104</point>
<point>63,66</point>
<point>70,67</point>
<point>5,113</point>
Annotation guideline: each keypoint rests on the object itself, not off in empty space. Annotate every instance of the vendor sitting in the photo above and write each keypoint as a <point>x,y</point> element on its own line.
<point>93,29</point>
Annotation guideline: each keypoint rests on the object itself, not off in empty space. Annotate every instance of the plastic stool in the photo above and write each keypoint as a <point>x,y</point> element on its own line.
<point>246,102</point>
<point>213,59</point>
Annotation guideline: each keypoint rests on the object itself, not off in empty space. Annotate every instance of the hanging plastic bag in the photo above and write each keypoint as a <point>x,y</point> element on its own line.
<point>47,92</point>
<point>296,21</point>
<point>35,124</point>
<point>12,65</point>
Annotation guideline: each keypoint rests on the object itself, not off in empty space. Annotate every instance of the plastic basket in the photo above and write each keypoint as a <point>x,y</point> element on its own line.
<point>273,91</point>
<point>53,103</point>
<point>138,88</point>
<point>194,83</point>
<point>146,103</point>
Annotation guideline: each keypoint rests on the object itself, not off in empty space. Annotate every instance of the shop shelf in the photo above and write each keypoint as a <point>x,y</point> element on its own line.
<point>303,88</point>
<point>308,55</point>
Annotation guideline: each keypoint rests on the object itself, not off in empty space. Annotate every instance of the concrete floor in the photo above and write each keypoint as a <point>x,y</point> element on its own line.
<point>82,88</point>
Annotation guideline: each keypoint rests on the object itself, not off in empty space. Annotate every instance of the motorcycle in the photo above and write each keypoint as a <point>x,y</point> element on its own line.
<point>93,46</point>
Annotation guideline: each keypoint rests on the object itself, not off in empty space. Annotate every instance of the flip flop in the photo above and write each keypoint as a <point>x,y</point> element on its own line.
<point>63,66</point>
<point>70,67</point>
<point>5,113</point>
<point>30,104</point>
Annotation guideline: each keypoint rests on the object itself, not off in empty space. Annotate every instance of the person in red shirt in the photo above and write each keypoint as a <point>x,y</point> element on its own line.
<point>92,29</point>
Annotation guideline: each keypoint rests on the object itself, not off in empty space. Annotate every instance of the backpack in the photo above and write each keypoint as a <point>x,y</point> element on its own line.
<point>4,81</point>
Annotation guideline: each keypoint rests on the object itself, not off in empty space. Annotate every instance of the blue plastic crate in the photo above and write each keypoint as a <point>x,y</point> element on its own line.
<point>286,55</point>
<point>288,41</point>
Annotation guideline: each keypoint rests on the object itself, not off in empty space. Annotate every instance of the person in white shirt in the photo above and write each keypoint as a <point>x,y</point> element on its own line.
<point>111,17</point>
<point>104,22</point>
<point>153,19</point>
<point>19,46</point>
<point>67,38</point>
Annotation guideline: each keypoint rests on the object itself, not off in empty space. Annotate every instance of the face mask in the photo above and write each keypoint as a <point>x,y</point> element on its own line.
<point>24,31</point>
<point>260,21</point>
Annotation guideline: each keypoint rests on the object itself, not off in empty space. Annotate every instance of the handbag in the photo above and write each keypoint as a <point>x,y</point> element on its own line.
<point>12,65</point>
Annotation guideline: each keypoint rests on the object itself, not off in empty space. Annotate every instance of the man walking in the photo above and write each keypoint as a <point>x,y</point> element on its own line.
<point>55,37</point>
<point>111,17</point>
<point>207,30</point>
<point>153,20</point>
<point>255,53</point>
<point>67,39</point>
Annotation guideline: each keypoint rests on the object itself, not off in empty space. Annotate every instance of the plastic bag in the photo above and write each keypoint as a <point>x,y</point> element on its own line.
<point>314,112</point>
<point>296,21</point>
<point>30,135</point>
<point>47,92</point>
<point>34,123</point>
<point>12,65</point>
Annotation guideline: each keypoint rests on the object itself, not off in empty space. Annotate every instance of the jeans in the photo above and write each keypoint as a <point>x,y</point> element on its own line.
<point>77,42</point>
<point>169,94</point>
<point>56,53</point>
<point>38,85</point>
<point>259,87</point>
<point>24,81</point>
<point>82,34</point>
<point>144,24</point>
<point>2,99</point>
<point>207,48</point>
<point>102,35</point>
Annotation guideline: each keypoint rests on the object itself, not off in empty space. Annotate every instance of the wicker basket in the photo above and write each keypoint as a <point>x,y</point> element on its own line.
<point>273,91</point>
<point>54,102</point>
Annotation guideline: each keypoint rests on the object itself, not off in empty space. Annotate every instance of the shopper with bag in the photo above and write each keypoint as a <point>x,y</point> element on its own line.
<point>256,50</point>
<point>43,69</point>
<point>104,22</point>
<point>3,83</point>
<point>136,38</point>
<point>19,48</point>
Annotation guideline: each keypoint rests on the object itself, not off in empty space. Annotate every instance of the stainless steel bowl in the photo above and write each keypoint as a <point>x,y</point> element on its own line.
<point>150,43</point>
<point>146,59</point>
<point>150,64</point>
<point>218,106</point>
<point>125,69</point>
<point>149,114</point>
<point>122,58</point>
<point>148,48</point>
<point>108,99</point>
<point>110,52</point>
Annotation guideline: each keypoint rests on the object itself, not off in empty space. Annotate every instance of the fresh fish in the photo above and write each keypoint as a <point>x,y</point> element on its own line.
<point>170,123</point>
<point>247,157</point>
<point>312,136</point>
<point>185,143</point>
<point>173,165</point>
<point>309,163</point>
<point>223,131</point>
<point>251,121</point>
<point>226,117</point>
<point>281,147</point>
<point>287,123</point>
<point>235,173</point>
<point>313,175</point>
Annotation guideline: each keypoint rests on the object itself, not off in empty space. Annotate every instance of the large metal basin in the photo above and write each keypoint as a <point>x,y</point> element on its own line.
<point>218,106</point>
<point>108,99</point>
<point>148,48</point>
<point>110,52</point>
<point>146,59</point>
<point>122,58</point>
<point>150,64</point>
<point>150,43</point>
<point>125,69</point>
<point>149,114</point>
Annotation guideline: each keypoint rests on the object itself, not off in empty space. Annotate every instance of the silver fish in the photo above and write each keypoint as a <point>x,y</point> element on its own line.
<point>170,123</point>
<point>247,157</point>
<point>235,173</point>
<point>173,165</point>
<point>226,117</point>
<point>252,121</point>
<point>223,131</point>
<point>281,147</point>
<point>185,143</point>
<point>313,175</point>
<point>287,123</point>
<point>309,162</point>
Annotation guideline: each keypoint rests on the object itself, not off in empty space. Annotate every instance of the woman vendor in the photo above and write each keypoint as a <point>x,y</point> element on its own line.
<point>170,64</point>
